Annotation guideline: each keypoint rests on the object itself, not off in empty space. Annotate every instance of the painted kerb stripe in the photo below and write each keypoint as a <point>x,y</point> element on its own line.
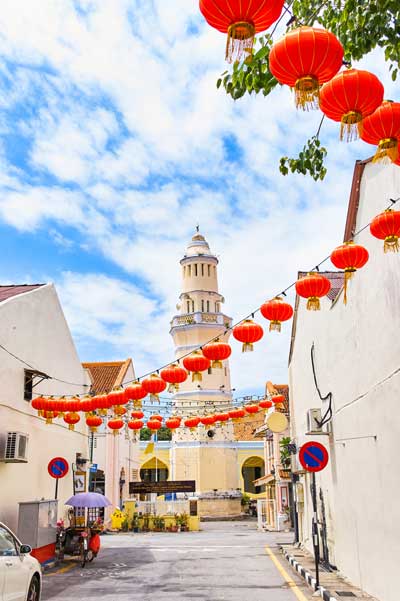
<point>309,578</point>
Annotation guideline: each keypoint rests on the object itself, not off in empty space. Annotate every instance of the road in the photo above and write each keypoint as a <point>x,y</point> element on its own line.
<point>225,561</point>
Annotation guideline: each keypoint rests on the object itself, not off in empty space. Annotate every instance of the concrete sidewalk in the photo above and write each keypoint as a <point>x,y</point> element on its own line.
<point>334,587</point>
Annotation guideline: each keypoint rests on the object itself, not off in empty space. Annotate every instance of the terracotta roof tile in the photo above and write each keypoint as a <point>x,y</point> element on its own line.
<point>271,388</point>
<point>244,430</point>
<point>107,375</point>
<point>16,289</point>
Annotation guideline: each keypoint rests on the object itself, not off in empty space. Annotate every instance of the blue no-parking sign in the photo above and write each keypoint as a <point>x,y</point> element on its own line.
<point>313,456</point>
<point>58,467</point>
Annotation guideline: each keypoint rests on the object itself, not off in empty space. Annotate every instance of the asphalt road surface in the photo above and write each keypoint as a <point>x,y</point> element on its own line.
<point>225,561</point>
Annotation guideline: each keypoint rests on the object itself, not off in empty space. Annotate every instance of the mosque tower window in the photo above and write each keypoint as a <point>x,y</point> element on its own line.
<point>202,269</point>
<point>208,270</point>
<point>195,269</point>
<point>208,306</point>
<point>202,305</point>
<point>189,270</point>
<point>192,306</point>
<point>188,306</point>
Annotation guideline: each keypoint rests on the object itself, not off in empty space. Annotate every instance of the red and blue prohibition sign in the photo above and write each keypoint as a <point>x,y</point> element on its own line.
<point>58,467</point>
<point>313,456</point>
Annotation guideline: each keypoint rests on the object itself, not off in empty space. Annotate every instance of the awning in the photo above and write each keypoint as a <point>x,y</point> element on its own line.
<point>264,480</point>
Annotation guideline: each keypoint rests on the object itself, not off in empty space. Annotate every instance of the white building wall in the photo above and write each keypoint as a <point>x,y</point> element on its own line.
<point>33,327</point>
<point>357,353</point>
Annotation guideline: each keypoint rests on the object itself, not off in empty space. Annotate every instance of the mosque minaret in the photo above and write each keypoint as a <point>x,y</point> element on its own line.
<point>208,456</point>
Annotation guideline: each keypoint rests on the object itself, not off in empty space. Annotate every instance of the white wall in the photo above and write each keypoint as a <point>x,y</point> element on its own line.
<point>357,351</point>
<point>33,327</point>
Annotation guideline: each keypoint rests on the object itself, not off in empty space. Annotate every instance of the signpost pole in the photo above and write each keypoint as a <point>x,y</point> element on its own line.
<point>56,493</point>
<point>315,528</point>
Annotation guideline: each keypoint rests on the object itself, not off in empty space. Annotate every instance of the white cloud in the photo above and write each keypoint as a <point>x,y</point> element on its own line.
<point>127,123</point>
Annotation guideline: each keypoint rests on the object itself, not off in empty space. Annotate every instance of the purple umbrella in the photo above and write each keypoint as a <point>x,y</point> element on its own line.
<point>88,499</point>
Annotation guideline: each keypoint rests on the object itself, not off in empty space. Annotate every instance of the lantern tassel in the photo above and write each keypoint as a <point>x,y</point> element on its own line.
<point>391,244</point>
<point>351,126</point>
<point>217,364</point>
<point>348,274</point>
<point>313,304</point>
<point>306,92</point>
<point>196,376</point>
<point>239,41</point>
<point>387,151</point>
<point>275,325</point>
<point>247,347</point>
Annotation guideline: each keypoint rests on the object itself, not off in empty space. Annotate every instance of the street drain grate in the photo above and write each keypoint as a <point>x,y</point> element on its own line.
<point>345,593</point>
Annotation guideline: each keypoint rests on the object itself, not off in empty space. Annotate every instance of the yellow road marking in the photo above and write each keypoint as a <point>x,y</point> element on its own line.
<point>62,570</point>
<point>291,583</point>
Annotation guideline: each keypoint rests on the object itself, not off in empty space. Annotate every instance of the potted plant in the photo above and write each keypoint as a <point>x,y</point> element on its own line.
<point>184,522</point>
<point>244,502</point>
<point>135,522</point>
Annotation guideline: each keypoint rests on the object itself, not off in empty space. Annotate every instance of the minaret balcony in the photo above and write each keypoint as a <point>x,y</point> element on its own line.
<point>199,317</point>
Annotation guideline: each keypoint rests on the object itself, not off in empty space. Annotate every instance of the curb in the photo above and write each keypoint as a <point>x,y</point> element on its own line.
<point>312,583</point>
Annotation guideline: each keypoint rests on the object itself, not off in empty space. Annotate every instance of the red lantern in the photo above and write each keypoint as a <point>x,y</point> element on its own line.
<point>71,419</point>
<point>101,401</point>
<point>154,424</point>
<point>192,423</point>
<point>137,414</point>
<point>173,423</point>
<point>248,332</point>
<point>208,420</point>
<point>87,404</point>
<point>349,97</point>
<point>222,417</point>
<point>196,363</point>
<point>217,351</point>
<point>265,404</point>
<point>37,404</point>
<point>382,128</point>
<point>237,414</point>
<point>153,385</point>
<point>115,425</point>
<point>93,422</point>
<point>135,392</point>
<point>349,257</point>
<point>276,310</point>
<point>174,375</point>
<point>386,226</point>
<point>117,398</point>
<point>312,287</point>
<point>119,410</point>
<point>157,417</point>
<point>251,409</point>
<point>49,416</point>
<point>278,399</point>
<point>304,59</point>
<point>241,20</point>
<point>135,424</point>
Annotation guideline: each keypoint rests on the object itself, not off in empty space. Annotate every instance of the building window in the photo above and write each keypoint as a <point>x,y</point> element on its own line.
<point>202,269</point>
<point>202,306</point>
<point>188,306</point>
<point>195,269</point>
<point>28,385</point>
<point>189,270</point>
<point>209,270</point>
<point>208,306</point>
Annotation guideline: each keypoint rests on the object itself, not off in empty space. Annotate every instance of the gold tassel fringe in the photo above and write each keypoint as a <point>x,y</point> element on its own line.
<point>239,41</point>
<point>387,151</point>
<point>306,92</point>
<point>247,347</point>
<point>351,126</point>
<point>196,376</point>
<point>217,364</point>
<point>391,244</point>
<point>313,304</point>
<point>71,427</point>
<point>275,325</point>
<point>348,274</point>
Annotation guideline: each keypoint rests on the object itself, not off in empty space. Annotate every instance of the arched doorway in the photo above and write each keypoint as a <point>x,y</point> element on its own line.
<point>154,470</point>
<point>252,469</point>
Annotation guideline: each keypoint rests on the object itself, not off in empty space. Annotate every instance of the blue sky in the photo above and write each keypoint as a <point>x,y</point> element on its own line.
<point>115,144</point>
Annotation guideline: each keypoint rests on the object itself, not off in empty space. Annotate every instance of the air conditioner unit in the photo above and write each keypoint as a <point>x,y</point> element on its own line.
<point>13,447</point>
<point>314,418</point>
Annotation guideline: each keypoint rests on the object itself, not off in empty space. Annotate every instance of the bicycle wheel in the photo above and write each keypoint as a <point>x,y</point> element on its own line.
<point>82,555</point>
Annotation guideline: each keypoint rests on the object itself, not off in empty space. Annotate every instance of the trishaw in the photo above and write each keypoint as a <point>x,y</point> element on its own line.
<point>82,538</point>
